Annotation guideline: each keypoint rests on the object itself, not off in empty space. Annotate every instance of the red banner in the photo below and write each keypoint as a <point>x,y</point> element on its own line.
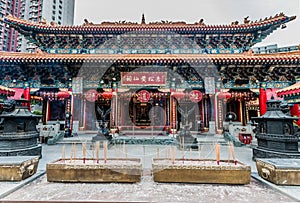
<point>143,78</point>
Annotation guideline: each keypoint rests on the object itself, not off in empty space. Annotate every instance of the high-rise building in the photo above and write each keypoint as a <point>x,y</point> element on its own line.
<point>9,38</point>
<point>58,11</point>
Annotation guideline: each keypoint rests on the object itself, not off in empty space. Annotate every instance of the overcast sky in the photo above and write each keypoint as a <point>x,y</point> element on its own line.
<point>190,11</point>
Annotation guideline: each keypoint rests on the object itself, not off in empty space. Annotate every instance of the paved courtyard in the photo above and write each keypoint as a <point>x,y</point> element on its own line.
<point>37,188</point>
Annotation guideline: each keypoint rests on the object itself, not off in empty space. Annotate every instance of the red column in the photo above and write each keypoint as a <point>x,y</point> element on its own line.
<point>295,112</point>
<point>27,96</point>
<point>262,101</point>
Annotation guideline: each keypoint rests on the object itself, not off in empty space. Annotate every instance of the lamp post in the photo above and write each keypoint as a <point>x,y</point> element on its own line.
<point>68,132</point>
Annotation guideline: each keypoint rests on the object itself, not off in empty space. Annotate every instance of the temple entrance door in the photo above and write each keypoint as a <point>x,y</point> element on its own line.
<point>141,114</point>
<point>151,113</point>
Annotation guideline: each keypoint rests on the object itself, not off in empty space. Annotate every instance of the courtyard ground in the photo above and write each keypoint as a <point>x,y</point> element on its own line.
<point>36,188</point>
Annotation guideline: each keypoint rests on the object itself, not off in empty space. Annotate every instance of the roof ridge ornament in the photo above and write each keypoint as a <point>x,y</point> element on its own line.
<point>249,52</point>
<point>143,20</point>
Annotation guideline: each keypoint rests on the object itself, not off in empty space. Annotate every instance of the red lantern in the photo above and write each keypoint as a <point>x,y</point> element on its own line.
<point>195,96</point>
<point>91,95</point>
<point>224,95</point>
<point>107,95</point>
<point>63,94</point>
<point>178,95</point>
<point>143,96</point>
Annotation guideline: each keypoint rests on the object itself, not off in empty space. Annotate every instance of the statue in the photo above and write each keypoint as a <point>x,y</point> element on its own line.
<point>103,128</point>
<point>186,132</point>
<point>185,114</point>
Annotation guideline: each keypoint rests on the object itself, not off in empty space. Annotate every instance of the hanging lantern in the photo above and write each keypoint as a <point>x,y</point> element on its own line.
<point>63,94</point>
<point>224,95</point>
<point>178,95</point>
<point>143,96</point>
<point>195,96</point>
<point>91,95</point>
<point>107,95</point>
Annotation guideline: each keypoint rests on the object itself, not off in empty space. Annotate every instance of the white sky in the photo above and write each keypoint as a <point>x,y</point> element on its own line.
<point>190,11</point>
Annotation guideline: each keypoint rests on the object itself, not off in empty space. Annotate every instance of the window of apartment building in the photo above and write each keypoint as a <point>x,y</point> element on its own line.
<point>60,1</point>
<point>60,12</point>
<point>60,6</point>
<point>54,1</point>
<point>53,17</point>
<point>59,17</point>
<point>54,7</point>
<point>53,12</point>
<point>59,22</point>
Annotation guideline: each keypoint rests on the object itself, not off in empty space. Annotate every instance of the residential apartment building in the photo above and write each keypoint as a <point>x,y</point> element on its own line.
<point>58,11</point>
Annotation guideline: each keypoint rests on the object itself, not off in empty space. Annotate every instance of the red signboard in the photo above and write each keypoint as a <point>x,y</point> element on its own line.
<point>143,96</point>
<point>195,96</point>
<point>143,78</point>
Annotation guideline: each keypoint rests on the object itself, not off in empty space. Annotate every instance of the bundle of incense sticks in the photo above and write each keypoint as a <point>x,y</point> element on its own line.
<point>199,152</point>
<point>63,156</point>
<point>97,148</point>
<point>73,152</point>
<point>105,151</point>
<point>231,147</point>
<point>74,149</point>
<point>218,153</point>
<point>182,142</point>
<point>84,151</point>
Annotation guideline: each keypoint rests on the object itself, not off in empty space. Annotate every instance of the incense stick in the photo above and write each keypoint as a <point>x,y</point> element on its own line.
<point>97,151</point>
<point>84,151</point>
<point>63,156</point>
<point>218,153</point>
<point>182,150</point>
<point>199,151</point>
<point>105,151</point>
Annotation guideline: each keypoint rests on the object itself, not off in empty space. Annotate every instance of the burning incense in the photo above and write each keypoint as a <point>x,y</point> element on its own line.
<point>97,148</point>
<point>229,152</point>
<point>199,151</point>
<point>182,149</point>
<point>105,151</point>
<point>63,156</point>
<point>124,148</point>
<point>218,153</point>
<point>74,151</point>
<point>93,153</point>
<point>84,151</point>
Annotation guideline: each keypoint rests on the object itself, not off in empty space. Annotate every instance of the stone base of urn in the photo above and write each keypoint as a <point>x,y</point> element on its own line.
<point>95,171</point>
<point>279,171</point>
<point>200,171</point>
<point>17,168</point>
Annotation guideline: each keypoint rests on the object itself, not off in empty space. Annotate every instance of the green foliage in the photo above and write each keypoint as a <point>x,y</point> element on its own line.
<point>37,112</point>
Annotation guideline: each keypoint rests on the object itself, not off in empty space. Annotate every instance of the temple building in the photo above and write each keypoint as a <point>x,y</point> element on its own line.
<point>157,75</point>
